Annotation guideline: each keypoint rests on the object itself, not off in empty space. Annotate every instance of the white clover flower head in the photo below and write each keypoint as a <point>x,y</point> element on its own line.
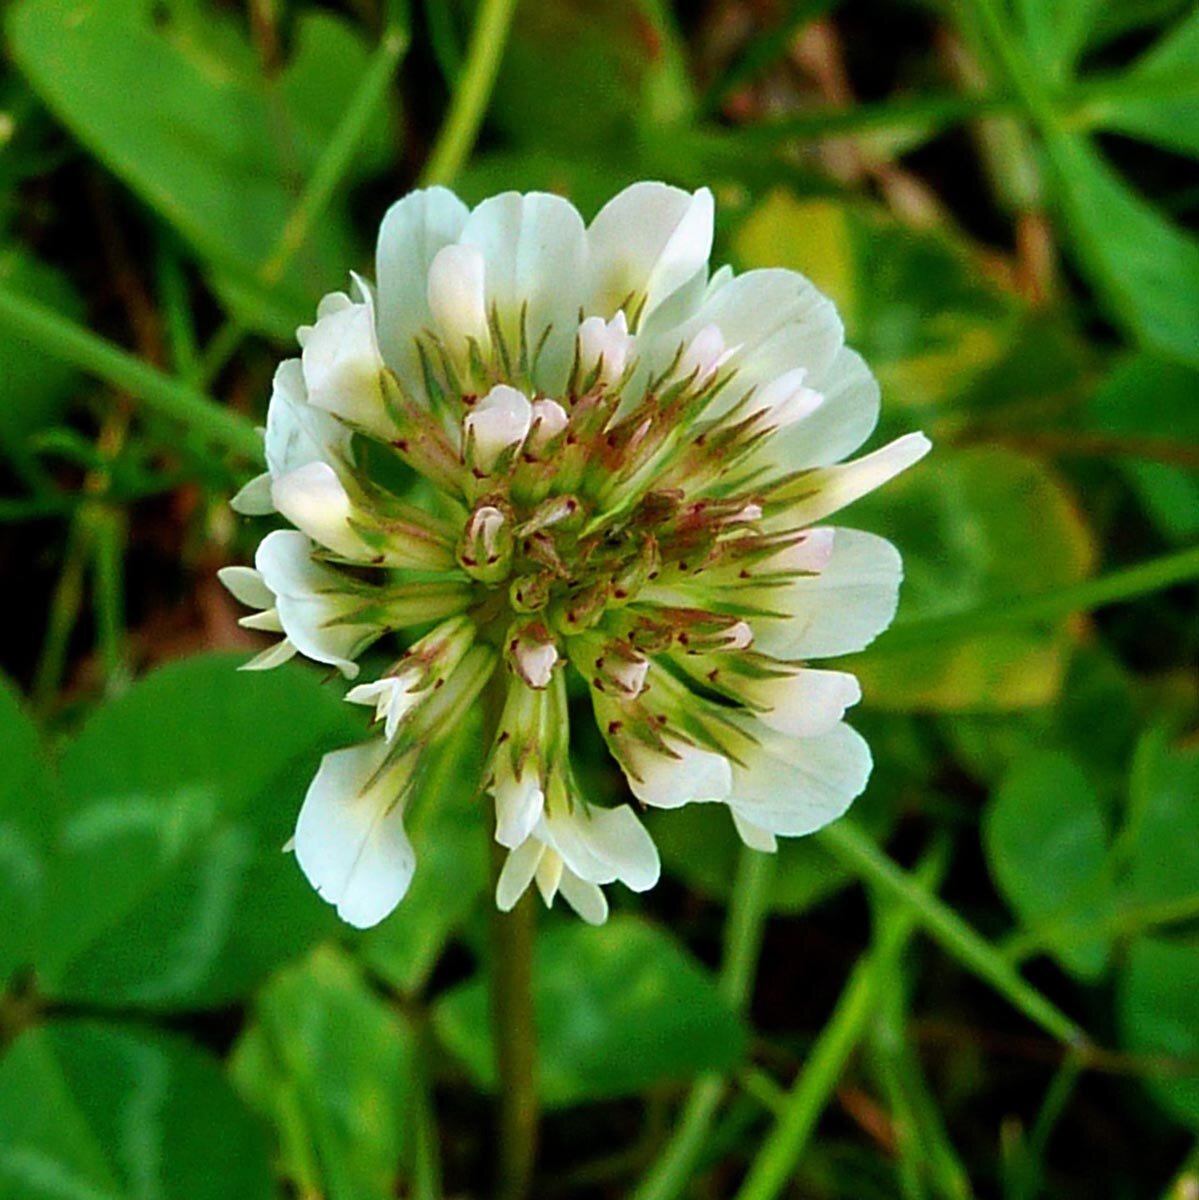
<point>628,465</point>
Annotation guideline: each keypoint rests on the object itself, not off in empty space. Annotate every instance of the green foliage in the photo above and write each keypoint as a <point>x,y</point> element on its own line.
<point>1147,397</point>
<point>1147,268</point>
<point>1159,1014</point>
<point>1047,846</point>
<point>88,1109</point>
<point>968,519</point>
<point>36,393</point>
<point>180,181</point>
<point>170,97</point>
<point>27,797</point>
<point>166,884</point>
<point>619,1008</point>
<point>331,1065</point>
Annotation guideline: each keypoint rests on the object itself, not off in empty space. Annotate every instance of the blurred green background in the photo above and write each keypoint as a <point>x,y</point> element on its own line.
<point>1001,199</point>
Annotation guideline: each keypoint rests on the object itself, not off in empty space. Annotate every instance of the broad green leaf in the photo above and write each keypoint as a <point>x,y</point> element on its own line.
<point>27,803</point>
<point>1164,804</point>
<point>1149,397</point>
<point>169,887</point>
<point>915,304</point>
<point>977,527</point>
<point>599,69</point>
<point>90,1111</point>
<point>1047,847</point>
<point>619,1008</point>
<point>36,389</point>
<point>1145,268</point>
<point>170,97</point>
<point>1095,720</point>
<point>447,828</point>
<point>1158,100</point>
<point>329,1063</point>
<point>1158,1004</point>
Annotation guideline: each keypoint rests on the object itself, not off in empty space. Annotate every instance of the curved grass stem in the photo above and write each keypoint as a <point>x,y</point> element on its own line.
<point>742,941</point>
<point>775,1163</point>
<point>457,136</point>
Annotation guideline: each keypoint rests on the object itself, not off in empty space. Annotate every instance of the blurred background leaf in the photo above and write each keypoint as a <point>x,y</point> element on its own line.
<point>619,1008</point>
<point>177,801</point>
<point>90,1109</point>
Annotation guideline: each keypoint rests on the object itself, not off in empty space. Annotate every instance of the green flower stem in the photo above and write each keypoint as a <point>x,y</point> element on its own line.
<point>775,1163</point>
<point>426,1164</point>
<point>513,1013</point>
<point>514,1031</point>
<point>108,557</point>
<point>1119,586</point>
<point>64,612</point>
<point>335,160</point>
<point>60,338</point>
<point>338,155</point>
<point>748,909</point>
<point>483,54</point>
<point>742,941</point>
<point>865,859</point>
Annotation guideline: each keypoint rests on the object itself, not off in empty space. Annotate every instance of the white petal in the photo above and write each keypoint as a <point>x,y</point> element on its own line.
<point>350,840</point>
<point>549,420</point>
<point>840,425</point>
<point>831,489</point>
<point>691,774</point>
<point>501,419</point>
<point>535,661</point>
<point>794,786</point>
<point>776,319</point>
<point>254,499</point>
<point>754,836</point>
<point>519,804</point>
<point>267,621</point>
<point>393,696</point>
<point>810,553</point>
<point>647,241</point>
<point>296,432</point>
<point>606,340</point>
<point>519,868</point>
<point>310,599</point>
<point>535,251</point>
<point>806,703</point>
<point>457,300</point>
<point>246,586</point>
<point>616,836</point>
<point>786,399</point>
<point>271,657</point>
<point>704,355</point>
<point>343,369</point>
<point>413,231</point>
<point>839,611</point>
<point>585,898</point>
<point>549,874</point>
<point>315,500</point>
